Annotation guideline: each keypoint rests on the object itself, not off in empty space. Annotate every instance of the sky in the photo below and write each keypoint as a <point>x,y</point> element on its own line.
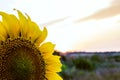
<point>74,25</point>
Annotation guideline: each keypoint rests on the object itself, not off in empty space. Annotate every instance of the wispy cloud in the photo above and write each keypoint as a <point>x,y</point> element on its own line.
<point>115,2</point>
<point>54,21</point>
<point>110,11</point>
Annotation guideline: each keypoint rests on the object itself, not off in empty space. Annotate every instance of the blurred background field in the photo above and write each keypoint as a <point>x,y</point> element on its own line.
<point>90,65</point>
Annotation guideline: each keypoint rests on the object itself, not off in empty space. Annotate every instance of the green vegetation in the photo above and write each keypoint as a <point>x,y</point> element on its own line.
<point>96,58</point>
<point>116,58</point>
<point>95,67</point>
<point>83,64</point>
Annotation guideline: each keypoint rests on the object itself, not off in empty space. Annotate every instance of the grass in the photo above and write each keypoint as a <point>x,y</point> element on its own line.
<point>103,69</point>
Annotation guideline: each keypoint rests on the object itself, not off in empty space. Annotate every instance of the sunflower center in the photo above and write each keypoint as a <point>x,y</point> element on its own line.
<point>21,60</point>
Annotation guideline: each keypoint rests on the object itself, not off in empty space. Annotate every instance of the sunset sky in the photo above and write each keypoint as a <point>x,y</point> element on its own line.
<point>74,25</point>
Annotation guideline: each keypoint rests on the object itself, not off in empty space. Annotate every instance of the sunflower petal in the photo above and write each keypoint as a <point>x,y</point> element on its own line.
<point>47,49</point>
<point>2,38</point>
<point>53,76</point>
<point>3,33</point>
<point>24,24</point>
<point>15,27</point>
<point>53,64</point>
<point>23,19</point>
<point>33,35</point>
<point>11,27</point>
<point>5,17</point>
<point>41,37</point>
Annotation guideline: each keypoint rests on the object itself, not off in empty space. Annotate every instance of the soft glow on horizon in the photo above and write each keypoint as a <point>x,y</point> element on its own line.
<point>83,35</point>
<point>102,32</point>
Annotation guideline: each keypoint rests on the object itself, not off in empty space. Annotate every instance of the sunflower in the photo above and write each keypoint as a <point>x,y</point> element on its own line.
<point>23,55</point>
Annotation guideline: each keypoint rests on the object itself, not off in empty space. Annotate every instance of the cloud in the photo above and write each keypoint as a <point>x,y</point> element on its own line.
<point>115,2</point>
<point>110,11</point>
<point>54,21</point>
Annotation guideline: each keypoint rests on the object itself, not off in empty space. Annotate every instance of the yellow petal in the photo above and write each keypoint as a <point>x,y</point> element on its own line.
<point>53,76</point>
<point>11,24</point>
<point>34,31</point>
<point>24,24</point>
<point>15,27</point>
<point>3,33</point>
<point>31,30</point>
<point>53,64</point>
<point>47,49</point>
<point>22,18</point>
<point>2,38</point>
<point>41,37</point>
<point>5,18</point>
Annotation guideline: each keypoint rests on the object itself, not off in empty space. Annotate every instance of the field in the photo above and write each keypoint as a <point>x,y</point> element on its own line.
<point>90,67</point>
